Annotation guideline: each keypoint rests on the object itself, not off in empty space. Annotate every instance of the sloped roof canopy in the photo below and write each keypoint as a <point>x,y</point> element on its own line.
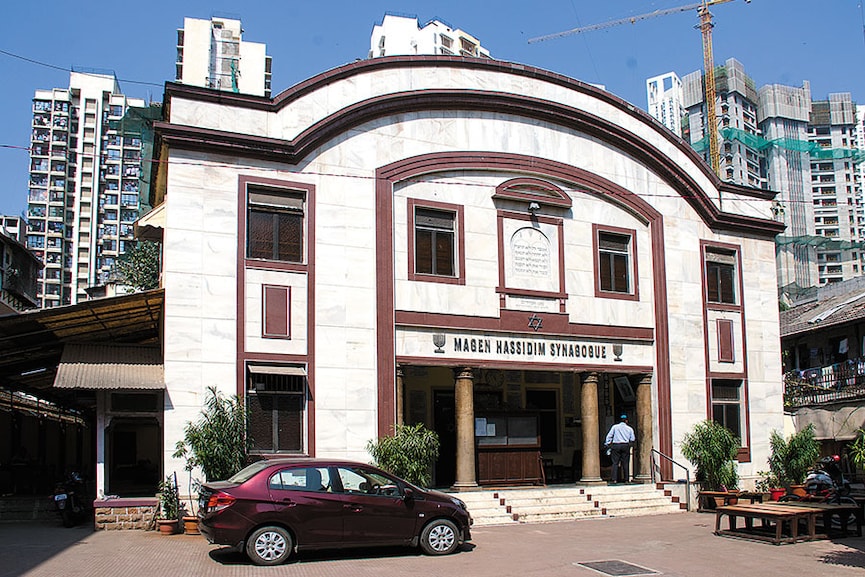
<point>32,343</point>
<point>104,367</point>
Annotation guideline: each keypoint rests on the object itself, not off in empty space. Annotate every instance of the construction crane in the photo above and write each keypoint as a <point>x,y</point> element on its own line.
<point>706,26</point>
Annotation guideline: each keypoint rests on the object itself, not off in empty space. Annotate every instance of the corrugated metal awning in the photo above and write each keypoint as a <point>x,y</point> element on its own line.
<point>277,370</point>
<point>107,367</point>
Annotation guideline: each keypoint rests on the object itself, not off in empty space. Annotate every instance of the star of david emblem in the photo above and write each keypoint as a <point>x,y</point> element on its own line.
<point>536,323</point>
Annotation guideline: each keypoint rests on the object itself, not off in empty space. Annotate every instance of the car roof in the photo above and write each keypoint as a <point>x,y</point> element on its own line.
<point>318,461</point>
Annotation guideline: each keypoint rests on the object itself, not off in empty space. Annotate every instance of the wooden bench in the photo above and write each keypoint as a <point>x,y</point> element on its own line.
<point>780,515</point>
<point>706,500</point>
<point>829,510</point>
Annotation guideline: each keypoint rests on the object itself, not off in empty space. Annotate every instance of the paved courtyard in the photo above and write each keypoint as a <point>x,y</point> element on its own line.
<point>679,545</point>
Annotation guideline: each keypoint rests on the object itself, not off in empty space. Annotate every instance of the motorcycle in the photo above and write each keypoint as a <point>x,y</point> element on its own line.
<point>69,500</point>
<point>826,479</point>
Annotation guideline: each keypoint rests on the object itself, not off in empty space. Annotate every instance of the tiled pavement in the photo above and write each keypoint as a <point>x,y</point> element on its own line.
<point>678,545</point>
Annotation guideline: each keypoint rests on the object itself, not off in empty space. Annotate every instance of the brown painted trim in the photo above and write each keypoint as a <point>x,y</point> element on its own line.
<point>323,79</point>
<point>558,222</point>
<point>510,190</point>
<point>512,365</point>
<point>243,356</point>
<point>633,259</point>
<point>460,233</point>
<point>516,322</point>
<point>352,116</point>
<point>738,308</point>
<point>411,167</point>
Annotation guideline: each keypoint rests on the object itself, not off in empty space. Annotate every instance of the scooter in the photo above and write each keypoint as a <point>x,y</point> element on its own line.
<point>827,479</point>
<point>69,500</point>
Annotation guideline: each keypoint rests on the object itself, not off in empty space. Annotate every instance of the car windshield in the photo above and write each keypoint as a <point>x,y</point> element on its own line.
<point>249,472</point>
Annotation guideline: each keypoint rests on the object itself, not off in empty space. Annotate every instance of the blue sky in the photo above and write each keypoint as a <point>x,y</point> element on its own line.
<point>778,41</point>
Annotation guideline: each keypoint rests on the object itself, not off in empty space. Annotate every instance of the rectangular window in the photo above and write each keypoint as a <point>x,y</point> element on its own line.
<point>435,242</point>
<point>276,401</point>
<point>614,262</point>
<point>720,276</point>
<point>275,225</point>
<point>727,405</point>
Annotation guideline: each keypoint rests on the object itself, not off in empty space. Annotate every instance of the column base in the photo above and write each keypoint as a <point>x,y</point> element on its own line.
<point>464,486</point>
<point>591,481</point>
<point>643,479</point>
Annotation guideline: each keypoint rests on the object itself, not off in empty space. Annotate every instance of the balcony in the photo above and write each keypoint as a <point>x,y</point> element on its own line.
<point>823,385</point>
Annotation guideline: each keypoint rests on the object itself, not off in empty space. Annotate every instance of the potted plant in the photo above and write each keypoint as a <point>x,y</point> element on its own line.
<point>409,453</point>
<point>169,507</point>
<point>712,449</point>
<point>768,483</point>
<point>217,443</point>
<point>790,459</point>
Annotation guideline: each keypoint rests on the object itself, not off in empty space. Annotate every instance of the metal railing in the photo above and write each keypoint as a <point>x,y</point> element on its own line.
<point>836,382</point>
<point>656,470</point>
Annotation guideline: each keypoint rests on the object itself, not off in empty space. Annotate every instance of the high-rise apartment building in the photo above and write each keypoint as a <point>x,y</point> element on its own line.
<point>778,138</point>
<point>84,185</point>
<point>664,95</point>
<point>403,36</point>
<point>213,54</point>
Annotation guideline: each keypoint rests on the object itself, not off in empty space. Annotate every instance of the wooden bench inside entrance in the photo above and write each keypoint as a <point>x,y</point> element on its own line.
<point>774,518</point>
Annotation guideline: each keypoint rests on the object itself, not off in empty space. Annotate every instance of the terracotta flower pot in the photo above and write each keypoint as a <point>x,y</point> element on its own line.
<point>190,525</point>
<point>167,526</point>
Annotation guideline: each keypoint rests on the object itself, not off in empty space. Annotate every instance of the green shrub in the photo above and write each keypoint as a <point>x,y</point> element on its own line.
<point>409,453</point>
<point>791,459</point>
<point>218,442</point>
<point>712,449</point>
<point>169,500</point>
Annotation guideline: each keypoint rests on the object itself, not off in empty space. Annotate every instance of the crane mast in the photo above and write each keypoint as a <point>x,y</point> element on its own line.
<point>706,25</point>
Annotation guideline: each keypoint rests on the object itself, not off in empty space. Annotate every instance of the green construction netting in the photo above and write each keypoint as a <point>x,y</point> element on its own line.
<point>821,242</point>
<point>759,143</point>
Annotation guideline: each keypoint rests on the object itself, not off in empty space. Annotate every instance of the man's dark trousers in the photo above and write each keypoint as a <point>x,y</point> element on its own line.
<point>621,453</point>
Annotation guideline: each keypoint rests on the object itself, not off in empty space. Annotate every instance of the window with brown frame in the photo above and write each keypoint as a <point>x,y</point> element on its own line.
<point>275,223</point>
<point>720,276</point>
<point>614,262</point>
<point>435,242</point>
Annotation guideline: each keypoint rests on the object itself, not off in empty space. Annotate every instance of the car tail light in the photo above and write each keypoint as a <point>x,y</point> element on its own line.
<point>219,501</point>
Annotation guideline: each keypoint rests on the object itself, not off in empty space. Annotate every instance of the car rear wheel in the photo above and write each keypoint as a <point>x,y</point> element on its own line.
<point>269,546</point>
<point>440,537</point>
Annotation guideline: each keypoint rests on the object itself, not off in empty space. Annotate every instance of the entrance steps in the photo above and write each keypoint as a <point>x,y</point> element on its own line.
<point>567,502</point>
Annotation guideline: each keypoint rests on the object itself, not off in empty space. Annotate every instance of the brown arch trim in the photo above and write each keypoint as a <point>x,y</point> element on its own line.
<point>292,152</point>
<point>533,190</point>
<point>321,80</point>
<point>387,176</point>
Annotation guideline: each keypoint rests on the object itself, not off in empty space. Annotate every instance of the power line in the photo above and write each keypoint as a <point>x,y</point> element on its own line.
<point>70,69</point>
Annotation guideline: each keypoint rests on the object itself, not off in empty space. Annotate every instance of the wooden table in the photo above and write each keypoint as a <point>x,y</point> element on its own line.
<point>780,514</point>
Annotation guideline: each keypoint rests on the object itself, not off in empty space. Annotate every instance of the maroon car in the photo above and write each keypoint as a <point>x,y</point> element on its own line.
<point>277,506</point>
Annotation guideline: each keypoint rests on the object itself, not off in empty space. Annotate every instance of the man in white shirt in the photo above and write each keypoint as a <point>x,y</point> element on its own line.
<point>619,441</point>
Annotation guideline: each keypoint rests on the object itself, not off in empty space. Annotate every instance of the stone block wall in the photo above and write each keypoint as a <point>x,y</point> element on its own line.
<point>125,514</point>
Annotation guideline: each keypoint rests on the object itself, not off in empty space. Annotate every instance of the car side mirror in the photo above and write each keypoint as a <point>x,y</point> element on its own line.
<point>408,494</point>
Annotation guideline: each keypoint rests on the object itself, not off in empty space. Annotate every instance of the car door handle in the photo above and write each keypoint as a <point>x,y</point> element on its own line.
<point>354,508</point>
<point>289,502</point>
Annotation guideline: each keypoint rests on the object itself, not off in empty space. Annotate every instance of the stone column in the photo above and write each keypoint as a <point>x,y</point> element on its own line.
<point>400,397</point>
<point>643,450</point>
<point>465,425</point>
<point>591,437</point>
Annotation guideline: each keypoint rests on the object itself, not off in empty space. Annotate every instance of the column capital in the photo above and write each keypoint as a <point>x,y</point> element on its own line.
<point>464,373</point>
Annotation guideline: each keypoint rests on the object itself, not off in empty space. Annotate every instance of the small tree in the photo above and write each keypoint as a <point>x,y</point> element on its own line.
<point>856,450</point>
<point>712,449</point>
<point>409,453</point>
<point>218,442</point>
<point>139,267</point>
<point>791,459</point>
<point>169,501</point>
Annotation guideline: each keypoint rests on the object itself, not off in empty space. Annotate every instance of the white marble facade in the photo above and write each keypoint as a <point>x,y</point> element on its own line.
<point>201,245</point>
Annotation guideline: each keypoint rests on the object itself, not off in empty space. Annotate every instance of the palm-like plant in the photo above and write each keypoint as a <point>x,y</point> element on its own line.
<point>217,442</point>
<point>712,449</point>
<point>790,459</point>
